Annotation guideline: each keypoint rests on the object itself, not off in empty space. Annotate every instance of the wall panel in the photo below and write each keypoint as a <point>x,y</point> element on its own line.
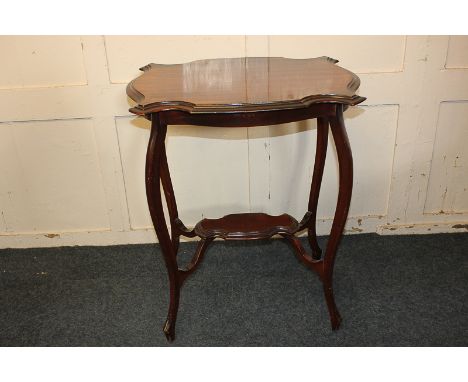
<point>448,182</point>
<point>457,54</point>
<point>51,179</point>
<point>41,61</point>
<point>125,54</point>
<point>361,54</point>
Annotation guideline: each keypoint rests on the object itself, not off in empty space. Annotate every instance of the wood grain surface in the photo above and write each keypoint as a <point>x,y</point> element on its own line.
<point>242,84</point>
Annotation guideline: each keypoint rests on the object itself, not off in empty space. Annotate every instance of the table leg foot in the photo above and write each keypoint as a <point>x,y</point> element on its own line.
<point>335,317</point>
<point>169,331</point>
<point>169,325</point>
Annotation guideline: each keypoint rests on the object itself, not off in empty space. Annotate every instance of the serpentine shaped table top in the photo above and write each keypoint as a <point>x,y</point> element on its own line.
<point>227,85</point>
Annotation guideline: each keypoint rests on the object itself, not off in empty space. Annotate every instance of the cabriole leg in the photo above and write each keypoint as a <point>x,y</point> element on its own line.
<point>155,155</point>
<point>196,259</point>
<point>320,156</point>
<point>170,199</point>
<point>345,165</point>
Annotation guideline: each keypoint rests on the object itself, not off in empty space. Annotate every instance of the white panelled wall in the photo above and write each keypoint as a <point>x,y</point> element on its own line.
<point>72,156</point>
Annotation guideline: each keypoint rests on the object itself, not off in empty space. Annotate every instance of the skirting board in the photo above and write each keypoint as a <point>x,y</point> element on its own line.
<point>355,225</point>
<point>422,229</point>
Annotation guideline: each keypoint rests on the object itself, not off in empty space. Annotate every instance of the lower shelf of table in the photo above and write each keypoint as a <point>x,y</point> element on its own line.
<point>246,226</point>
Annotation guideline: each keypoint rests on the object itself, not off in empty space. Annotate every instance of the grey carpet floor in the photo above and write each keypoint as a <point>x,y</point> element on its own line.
<point>391,291</point>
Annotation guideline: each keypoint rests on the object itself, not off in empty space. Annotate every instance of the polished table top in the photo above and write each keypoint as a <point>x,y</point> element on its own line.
<point>242,84</point>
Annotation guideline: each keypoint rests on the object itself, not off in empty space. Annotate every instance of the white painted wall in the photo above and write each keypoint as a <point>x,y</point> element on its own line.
<point>72,156</point>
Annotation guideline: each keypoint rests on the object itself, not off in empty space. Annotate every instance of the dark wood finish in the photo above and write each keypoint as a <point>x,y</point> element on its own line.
<point>345,165</point>
<point>196,259</point>
<point>248,119</point>
<point>242,84</point>
<point>170,199</point>
<point>247,226</point>
<point>154,162</point>
<point>320,156</point>
<point>301,254</point>
<point>246,92</point>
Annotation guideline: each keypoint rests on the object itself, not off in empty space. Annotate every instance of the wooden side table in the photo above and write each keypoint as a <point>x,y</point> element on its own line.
<point>244,92</point>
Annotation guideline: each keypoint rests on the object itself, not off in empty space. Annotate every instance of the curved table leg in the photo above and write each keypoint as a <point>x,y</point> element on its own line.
<point>196,259</point>
<point>155,155</point>
<point>170,199</point>
<point>320,156</point>
<point>345,165</point>
<point>301,254</point>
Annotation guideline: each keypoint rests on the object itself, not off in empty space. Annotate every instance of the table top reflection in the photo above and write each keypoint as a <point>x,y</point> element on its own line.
<point>242,84</point>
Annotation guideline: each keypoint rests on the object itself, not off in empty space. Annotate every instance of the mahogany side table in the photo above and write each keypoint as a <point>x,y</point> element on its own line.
<point>244,92</point>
